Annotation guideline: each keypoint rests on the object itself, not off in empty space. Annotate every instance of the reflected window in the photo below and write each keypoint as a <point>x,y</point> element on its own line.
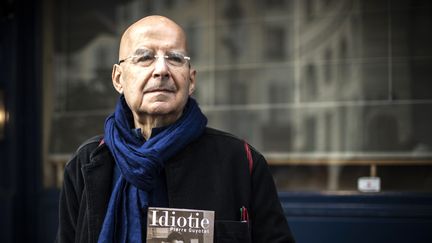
<point>275,44</point>
<point>383,134</point>
<point>311,81</point>
<point>343,55</point>
<point>310,134</point>
<point>328,66</point>
<point>309,9</point>
<point>238,92</point>
<point>329,131</point>
<point>275,3</point>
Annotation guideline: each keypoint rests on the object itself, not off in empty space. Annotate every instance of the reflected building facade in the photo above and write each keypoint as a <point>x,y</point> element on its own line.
<point>300,80</point>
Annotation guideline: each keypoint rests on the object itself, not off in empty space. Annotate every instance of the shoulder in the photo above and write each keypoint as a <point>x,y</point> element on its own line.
<point>221,136</point>
<point>215,137</point>
<point>85,150</point>
<point>91,143</point>
<point>226,138</point>
<point>229,143</point>
<point>215,133</point>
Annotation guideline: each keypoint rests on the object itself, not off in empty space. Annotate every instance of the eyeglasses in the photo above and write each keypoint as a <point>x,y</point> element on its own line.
<point>147,59</point>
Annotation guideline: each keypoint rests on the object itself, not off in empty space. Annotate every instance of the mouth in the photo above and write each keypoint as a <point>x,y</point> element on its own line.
<point>159,90</point>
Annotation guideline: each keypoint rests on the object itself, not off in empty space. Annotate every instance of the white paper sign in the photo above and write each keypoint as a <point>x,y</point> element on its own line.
<point>369,184</point>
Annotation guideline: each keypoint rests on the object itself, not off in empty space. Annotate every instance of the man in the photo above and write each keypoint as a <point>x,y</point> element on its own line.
<point>157,151</point>
<point>175,237</point>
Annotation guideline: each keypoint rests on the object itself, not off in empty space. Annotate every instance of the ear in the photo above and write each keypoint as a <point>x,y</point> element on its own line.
<point>192,76</point>
<point>116,78</point>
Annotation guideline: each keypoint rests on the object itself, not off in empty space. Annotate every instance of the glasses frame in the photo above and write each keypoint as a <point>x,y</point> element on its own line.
<point>187,58</point>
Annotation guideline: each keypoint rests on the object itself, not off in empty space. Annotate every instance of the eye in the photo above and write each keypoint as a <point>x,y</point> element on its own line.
<point>144,58</point>
<point>175,59</point>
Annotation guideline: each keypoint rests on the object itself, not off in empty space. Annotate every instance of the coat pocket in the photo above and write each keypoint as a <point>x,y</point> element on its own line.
<point>231,232</point>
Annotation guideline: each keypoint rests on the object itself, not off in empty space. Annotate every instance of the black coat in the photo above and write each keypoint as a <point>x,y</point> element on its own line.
<point>212,173</point>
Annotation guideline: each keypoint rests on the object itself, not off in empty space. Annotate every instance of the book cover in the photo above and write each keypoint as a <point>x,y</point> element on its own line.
<point>175,225</point>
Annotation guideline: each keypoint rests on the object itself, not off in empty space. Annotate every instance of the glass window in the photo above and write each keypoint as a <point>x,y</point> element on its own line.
<point>326,90</point>
<point>275,44</point>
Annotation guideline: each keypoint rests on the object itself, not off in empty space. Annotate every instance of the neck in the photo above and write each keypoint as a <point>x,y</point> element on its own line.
<point>147,123</point>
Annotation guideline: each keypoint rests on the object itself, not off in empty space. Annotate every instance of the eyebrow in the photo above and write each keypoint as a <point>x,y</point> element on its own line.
<point>141,51</point>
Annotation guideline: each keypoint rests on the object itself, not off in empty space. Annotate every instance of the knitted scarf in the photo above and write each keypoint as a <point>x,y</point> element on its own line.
<point>140,163</point>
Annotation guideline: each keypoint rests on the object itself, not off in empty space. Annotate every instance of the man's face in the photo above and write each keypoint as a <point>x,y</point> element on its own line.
<point>160,88</point>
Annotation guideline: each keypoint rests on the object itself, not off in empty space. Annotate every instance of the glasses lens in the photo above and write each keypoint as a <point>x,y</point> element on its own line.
<point>143,60</point>
<point>175,59</point>
<point>148,58</point>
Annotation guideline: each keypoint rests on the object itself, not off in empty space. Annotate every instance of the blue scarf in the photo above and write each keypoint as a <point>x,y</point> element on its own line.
<point>140,163</point>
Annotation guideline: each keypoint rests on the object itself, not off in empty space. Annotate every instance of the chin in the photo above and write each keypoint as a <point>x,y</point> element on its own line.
<point>161,108</point>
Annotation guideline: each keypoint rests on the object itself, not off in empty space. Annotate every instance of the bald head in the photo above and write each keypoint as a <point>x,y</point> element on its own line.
<point>163,30</point>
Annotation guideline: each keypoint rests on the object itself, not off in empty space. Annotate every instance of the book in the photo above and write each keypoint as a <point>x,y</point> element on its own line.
<point>175,225</point>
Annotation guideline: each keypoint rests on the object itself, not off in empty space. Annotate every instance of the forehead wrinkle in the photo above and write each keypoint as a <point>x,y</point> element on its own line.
<point>154,38</point>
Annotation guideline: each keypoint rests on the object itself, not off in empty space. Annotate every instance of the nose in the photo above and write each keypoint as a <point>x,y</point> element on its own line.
<point>161,69</point>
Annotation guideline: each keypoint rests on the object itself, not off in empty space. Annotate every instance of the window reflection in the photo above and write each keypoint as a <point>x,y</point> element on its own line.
<point>306,82</point>
<point>275,49</point>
